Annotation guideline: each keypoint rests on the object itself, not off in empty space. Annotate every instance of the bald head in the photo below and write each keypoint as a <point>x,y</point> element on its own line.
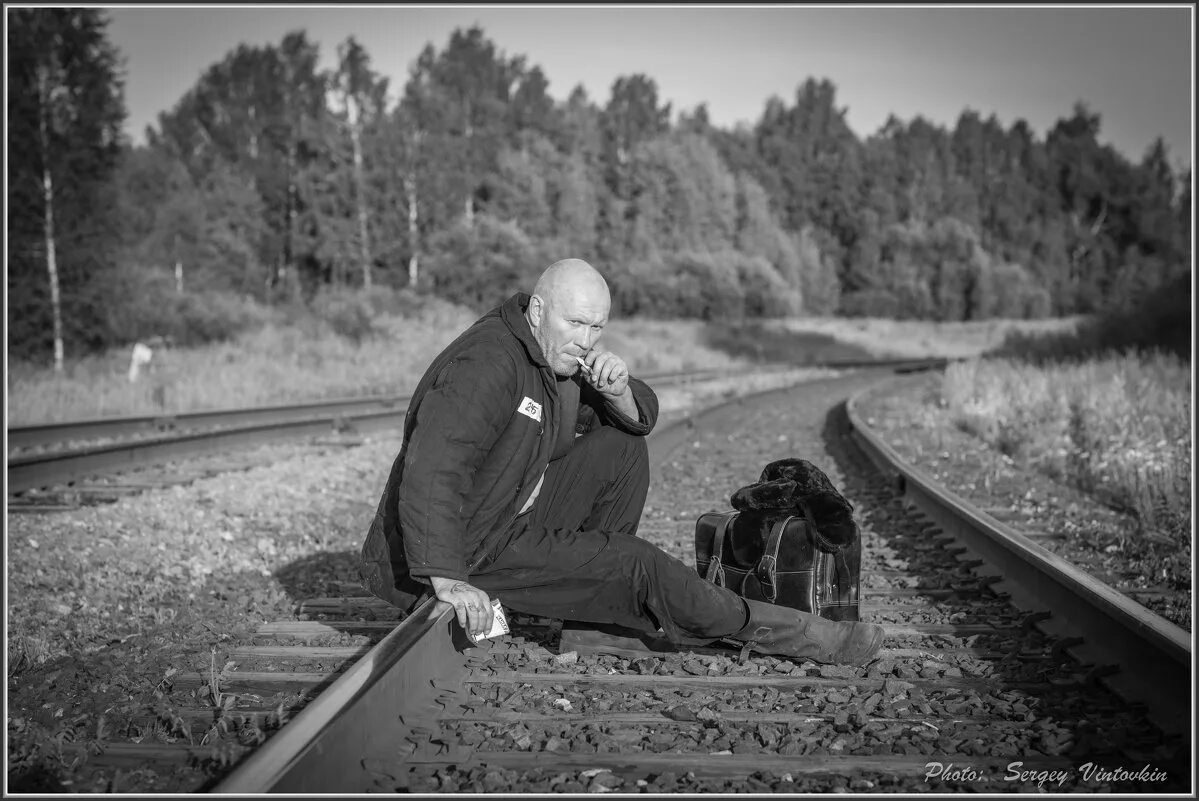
<point>570,277</point>
<point>567,312</point>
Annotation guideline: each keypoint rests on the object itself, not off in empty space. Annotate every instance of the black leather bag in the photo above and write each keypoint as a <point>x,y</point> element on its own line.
<point>770,548</point>
<point>783,565</point>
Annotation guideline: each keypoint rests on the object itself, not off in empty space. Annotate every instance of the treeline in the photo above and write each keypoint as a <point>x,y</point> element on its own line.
<point>273,182</point>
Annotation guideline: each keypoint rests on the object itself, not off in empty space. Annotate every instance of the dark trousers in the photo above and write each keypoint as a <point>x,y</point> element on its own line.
<point>575,555</point>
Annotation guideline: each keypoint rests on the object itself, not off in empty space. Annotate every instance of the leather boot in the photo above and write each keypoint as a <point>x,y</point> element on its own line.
<point>787,632</point>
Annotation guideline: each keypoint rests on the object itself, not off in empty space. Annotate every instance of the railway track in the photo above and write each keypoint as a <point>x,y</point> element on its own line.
<point>977,688</point>
<point>58,436</point>
<point>46,460</point>
<point>1124,641</point>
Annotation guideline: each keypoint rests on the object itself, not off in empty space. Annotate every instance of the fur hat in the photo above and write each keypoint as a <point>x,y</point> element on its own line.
<point>765,495</point>
<point>797,484</point>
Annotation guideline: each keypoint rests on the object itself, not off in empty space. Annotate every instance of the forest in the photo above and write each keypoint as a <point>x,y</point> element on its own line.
<point>272,184</point>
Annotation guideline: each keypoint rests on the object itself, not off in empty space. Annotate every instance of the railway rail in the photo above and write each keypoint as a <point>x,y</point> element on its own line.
<point>48,455</point>
<point>1137,653</point>
<point>978,688</point>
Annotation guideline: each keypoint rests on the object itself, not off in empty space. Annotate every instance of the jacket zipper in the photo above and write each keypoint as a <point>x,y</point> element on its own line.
<point>541,436</point>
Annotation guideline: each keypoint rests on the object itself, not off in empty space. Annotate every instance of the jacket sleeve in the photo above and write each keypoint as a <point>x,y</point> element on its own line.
<point>595,410</point>
<point>459,419</point>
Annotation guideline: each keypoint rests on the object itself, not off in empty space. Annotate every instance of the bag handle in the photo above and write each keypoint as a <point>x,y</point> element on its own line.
<point>767,565</point>
<point>715,566</point>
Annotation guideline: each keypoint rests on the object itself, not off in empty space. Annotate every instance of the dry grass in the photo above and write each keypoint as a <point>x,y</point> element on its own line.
<point>279,365</point>
<point>919,338</point>
<point>273,365</point>
<point>1118,428</point>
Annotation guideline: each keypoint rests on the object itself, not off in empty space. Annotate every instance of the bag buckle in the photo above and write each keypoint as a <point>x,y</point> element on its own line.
<point>765,571</point>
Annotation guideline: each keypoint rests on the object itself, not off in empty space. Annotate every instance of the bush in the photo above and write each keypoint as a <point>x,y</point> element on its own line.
<point>688,285</point>
<point>820,288</point>
<point>767,293</point>
<point>141,303</point>
<point>349,312</point>
<point>707,287</point>
<point>641,288</point>
<point>1007,291</point>
<point>914,301</point>
<point>1161,321</point>
<point>384,299</point>
<point>214,317</point>
<point>481,264</point>
<point>870,302</point>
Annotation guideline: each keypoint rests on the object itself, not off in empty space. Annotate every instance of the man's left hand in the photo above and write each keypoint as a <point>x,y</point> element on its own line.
<point>608,373</point>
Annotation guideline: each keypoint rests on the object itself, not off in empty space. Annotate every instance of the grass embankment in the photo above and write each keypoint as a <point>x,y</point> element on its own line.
<point>275,364</point>
<point>280,364</point>
<point>1115,427</point>
<point>291,364</point>
<point>917,339</point>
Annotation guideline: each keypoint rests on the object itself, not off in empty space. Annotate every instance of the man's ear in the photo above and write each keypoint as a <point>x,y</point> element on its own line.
<point>536,307</point>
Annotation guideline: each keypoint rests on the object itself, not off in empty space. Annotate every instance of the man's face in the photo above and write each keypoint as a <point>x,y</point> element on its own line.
<point>568,324</point>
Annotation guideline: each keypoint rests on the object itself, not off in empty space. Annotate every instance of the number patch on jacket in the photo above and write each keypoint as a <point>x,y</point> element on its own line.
<point>530,408</point>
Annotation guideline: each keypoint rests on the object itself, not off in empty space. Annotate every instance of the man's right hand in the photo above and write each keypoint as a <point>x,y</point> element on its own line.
<point>470,603</point>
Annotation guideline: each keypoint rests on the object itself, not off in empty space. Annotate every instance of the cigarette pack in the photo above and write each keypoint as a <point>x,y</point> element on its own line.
<point>499,621</point>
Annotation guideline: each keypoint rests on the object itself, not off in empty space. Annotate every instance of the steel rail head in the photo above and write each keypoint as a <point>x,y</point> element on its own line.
<point>47,469</point>
<point>107,427</point>
<point>1154,654</point>
<point>358,712</point>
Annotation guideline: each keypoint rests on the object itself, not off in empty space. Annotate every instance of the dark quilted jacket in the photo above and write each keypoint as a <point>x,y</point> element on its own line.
<point>470,457</point>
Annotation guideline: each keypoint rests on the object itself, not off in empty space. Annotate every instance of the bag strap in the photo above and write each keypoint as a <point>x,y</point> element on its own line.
<point>768,564</point>
<point>715,565</point>
<point>821,541</point>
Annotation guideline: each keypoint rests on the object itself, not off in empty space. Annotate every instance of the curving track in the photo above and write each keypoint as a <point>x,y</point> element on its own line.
<point>978,688</point>
<point>66,454</point>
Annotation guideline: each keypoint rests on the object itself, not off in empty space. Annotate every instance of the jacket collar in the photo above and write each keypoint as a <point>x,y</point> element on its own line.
<point>513,314</point>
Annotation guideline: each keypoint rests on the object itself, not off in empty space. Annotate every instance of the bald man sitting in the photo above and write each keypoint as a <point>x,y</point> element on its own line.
<point>523,474</point>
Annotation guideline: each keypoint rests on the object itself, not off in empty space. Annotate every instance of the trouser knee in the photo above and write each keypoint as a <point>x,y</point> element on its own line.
<point>617,444</point>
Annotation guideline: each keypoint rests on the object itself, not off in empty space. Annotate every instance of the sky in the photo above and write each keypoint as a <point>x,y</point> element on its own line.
<point>1132,65</point>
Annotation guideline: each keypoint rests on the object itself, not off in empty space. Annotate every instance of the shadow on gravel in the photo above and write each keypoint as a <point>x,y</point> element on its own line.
<point>317,575</point>
<point>38,779</point>
<point>1065,714</point>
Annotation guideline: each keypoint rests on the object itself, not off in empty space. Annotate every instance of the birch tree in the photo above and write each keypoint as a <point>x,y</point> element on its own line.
<point>65,111</point>
<point>50,91</point>
<point>360,96</point>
